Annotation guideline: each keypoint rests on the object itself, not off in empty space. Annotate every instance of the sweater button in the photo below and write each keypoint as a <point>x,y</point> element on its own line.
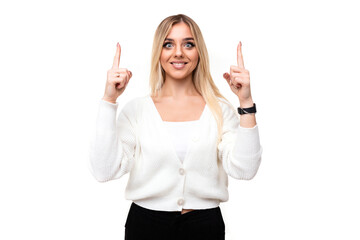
<point>180,201</point>
<point>181,171</point>
<point>195,138</point>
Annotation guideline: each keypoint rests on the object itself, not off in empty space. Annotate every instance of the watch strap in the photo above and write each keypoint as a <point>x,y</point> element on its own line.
<point>242,111</point>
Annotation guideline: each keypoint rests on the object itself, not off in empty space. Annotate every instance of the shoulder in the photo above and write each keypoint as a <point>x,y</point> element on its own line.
<point>231,117</point>
<point>135,102</point>
<point>132,106</point>
<point>227,107</point>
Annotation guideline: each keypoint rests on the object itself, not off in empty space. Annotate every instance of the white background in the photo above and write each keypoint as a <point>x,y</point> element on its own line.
<point>303,58</point>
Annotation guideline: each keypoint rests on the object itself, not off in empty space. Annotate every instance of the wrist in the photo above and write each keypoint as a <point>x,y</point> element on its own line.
<point>246,103</point>
<point>108,100</point>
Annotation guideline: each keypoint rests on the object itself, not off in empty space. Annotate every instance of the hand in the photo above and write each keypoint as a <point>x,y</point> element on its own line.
<point>239,78</point>
<point>117,78</point>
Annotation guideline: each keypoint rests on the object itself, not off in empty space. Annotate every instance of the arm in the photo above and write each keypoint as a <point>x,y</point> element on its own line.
<point>247,120</point>
<point>240,149</point>
<point>113,145</point>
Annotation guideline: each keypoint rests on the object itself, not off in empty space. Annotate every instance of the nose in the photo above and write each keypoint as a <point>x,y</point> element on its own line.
<point>178,51</point>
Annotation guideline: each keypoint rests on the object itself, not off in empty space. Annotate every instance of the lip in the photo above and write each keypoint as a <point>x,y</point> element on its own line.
<point>178,66</point>
<point>178,62</point>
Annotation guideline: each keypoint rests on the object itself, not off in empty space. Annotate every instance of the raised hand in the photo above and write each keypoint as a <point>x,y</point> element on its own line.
<point>117,78</point>
<point>239,78</point>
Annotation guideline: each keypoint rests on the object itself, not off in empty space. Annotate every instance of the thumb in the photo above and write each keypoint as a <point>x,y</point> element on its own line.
<point>227,77</point>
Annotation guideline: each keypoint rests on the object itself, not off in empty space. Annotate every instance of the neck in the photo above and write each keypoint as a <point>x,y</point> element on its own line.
<point>178,88</point>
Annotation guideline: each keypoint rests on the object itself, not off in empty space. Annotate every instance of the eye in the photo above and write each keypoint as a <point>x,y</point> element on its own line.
<point>190,44</point>
<point>167,44</point>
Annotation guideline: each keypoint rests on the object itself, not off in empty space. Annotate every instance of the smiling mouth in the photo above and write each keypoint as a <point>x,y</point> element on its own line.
<point>179,64</point>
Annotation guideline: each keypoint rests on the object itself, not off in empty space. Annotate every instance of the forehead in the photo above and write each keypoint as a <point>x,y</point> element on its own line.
<point>179,31</point>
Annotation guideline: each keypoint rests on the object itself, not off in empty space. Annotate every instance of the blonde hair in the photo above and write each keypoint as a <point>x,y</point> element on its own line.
<point>201,76</point>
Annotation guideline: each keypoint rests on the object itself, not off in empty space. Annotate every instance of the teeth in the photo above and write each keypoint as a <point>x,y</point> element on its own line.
<point>178,63</point>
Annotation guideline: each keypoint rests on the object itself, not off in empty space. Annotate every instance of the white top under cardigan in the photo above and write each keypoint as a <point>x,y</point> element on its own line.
<point>180,133</point>
<point>137,142</point>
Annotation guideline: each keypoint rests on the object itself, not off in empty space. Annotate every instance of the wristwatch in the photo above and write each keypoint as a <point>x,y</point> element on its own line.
<point>242,111</point>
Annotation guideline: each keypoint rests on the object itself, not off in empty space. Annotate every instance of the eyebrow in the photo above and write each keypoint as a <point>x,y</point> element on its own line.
<point>185,39</point>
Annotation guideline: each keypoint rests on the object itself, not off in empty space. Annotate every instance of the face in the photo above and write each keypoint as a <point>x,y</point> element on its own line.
<point>179,55</point>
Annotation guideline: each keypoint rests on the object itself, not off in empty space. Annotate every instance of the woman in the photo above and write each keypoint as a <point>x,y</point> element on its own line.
<point>180,142</point>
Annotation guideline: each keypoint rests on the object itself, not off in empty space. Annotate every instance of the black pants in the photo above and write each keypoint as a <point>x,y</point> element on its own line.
<point>199,224</point>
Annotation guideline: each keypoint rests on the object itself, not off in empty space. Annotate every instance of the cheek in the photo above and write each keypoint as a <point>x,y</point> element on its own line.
<point>195,56</point>
<point>162,60</point>
<point>164,57</point>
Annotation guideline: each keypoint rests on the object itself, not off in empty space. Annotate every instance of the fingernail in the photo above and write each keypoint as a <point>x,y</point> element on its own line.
<point>117,44</point>
<point>240,44</point>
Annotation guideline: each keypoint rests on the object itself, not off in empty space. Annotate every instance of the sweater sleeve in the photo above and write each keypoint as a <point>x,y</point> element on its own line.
<point>239,149</point>
<point>112,146</point>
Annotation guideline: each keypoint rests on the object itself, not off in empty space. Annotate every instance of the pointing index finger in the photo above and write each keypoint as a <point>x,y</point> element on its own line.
<point>240,60</point>
<point>117,56</point>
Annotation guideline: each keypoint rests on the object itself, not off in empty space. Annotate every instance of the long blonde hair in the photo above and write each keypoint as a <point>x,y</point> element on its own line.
<point>202,79</point>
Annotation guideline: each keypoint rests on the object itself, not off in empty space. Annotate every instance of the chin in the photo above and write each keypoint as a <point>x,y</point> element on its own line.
<point>179,76</point>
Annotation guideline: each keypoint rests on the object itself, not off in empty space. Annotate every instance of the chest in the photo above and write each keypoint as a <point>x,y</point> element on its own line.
<point>160,139</point>
<point>170,111</point>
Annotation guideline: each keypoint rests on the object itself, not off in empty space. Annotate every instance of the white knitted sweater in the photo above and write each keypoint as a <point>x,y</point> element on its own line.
<point>136,142</point>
